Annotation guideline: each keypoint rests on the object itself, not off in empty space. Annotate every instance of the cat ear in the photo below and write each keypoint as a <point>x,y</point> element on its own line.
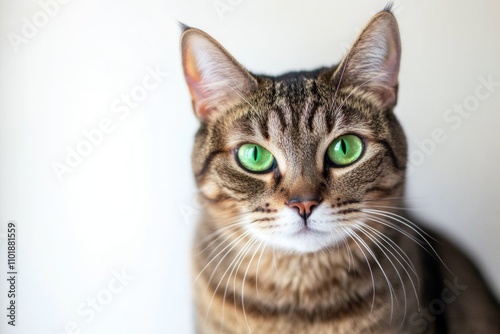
<point>372,64</point>
<point>215,79</point>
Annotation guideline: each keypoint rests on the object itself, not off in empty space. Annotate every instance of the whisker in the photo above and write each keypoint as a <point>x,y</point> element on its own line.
<point>241,96</point>
<point>395,207</point>
<point>235,242</point>
<point>412,226</point>
<point>240,262</point>
<point>395,247</point>
<point>258,265</point>
<point>381,247</point>
<point>396,228</point>
<point>399,251</point>
<point>232,264</point>
<point>348,231</point>
<point>243,286</point>
<point>370,251</point>
<point>394,198</point>
<point>356,89</point>
<point>240,253</point>
<point>341,77</point>
<point>222,235</point>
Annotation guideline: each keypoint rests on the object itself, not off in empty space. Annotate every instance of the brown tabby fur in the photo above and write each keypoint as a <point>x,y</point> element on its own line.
<point>388,275</point>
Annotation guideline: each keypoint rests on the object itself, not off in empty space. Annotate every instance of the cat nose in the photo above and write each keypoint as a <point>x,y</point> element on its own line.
<point>304,207</point>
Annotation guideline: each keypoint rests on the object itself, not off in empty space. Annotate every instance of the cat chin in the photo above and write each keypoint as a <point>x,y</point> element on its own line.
<point>303,247</point>
<point>305,241</point>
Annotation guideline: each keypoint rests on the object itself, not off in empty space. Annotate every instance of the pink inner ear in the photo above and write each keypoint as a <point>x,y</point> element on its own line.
<point>392,63</point>
<point>197,96</point>
<point>392,70</point>
<point>193,79</point>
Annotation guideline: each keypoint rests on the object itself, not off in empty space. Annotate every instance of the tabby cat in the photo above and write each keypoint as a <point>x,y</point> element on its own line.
<point>301,179</point>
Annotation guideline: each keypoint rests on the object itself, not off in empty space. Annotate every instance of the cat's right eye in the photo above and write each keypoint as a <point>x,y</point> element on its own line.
<point>255,158</point>
<point>345,150</point>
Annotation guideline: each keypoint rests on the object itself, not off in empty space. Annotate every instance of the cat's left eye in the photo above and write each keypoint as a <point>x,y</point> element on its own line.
<point>255,158</point>
<point>345,150</point>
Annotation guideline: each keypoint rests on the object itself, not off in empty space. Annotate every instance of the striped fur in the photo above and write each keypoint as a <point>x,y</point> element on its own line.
<point>374,270</point>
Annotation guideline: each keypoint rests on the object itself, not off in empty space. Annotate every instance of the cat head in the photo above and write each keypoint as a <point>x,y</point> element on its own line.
<point>296,160</point>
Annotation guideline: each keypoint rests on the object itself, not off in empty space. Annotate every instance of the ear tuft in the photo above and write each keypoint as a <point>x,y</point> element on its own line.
<point>372,64</point>
<point>388,7</point>
<point>183,26</point>
<point>215,79</point>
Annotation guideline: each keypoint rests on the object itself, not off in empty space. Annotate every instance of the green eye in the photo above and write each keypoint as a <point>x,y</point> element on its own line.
<point>255,158</point>
<point>345,150</point>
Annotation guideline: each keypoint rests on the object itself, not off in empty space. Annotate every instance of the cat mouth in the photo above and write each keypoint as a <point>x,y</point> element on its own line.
<point>306,230</point>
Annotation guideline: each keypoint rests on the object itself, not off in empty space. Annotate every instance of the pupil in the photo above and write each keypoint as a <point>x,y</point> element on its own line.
<point>343,146</point>
<point>255,152</point>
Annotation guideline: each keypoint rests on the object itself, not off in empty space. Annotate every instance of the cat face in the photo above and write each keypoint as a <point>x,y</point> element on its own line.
<point>296,161</point>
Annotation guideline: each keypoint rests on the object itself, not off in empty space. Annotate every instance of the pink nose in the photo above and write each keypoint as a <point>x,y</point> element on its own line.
<point>304,207</point>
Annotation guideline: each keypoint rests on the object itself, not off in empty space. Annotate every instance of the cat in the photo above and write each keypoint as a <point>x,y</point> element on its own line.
<point>301,178</point>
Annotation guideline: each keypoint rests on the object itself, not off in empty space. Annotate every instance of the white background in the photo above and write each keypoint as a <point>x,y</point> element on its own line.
<point>129,204</point>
